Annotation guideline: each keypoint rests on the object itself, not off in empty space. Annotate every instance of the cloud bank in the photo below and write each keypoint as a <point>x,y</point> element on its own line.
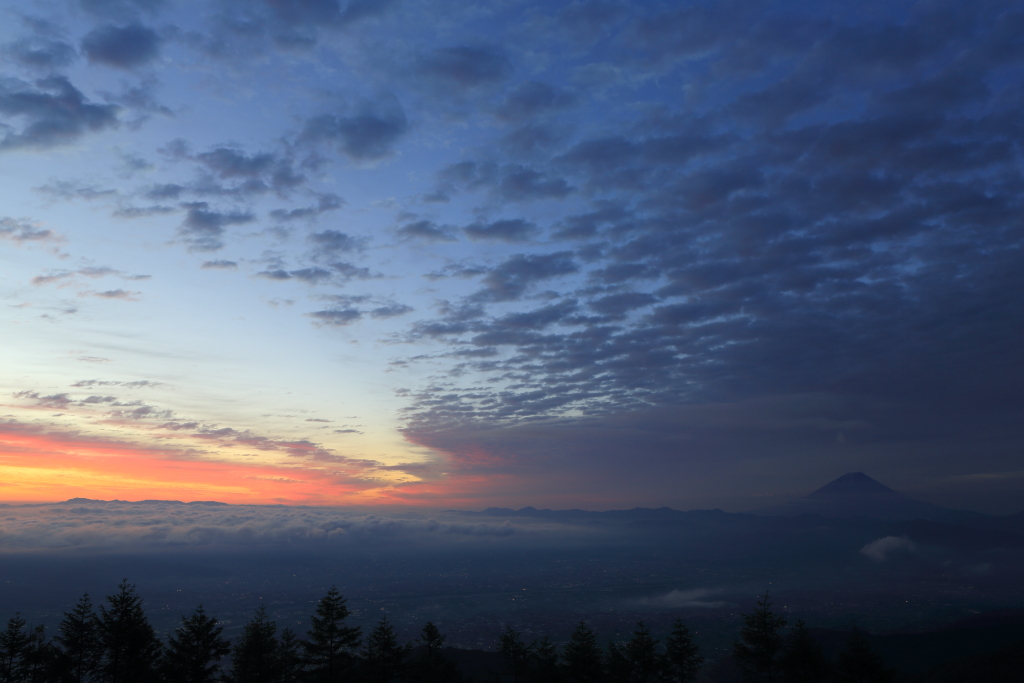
<point>91,524</point>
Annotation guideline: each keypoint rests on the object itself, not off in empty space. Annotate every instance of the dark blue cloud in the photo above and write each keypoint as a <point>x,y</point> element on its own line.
<point>337,317</point>
<point>531,99</point>
<point>508,183</point>
<point>119,9</point>
<point>124,47</point>
<point>519,183</point>
<point>233,163</point>
<point>390,311</point>
<point>242,30</point>
<point>465,67</point>
<point>325,202</point>
<point>512,278</point>
<point>203,227</point>
<point>52,112</point>
<point>333,242</point>
<point>426,230</point>
<point>503,230</point>
<point>365,135</point>
<point>220,264</point>
<point>22,230</point>
<point>324,12</point>
<point>41,52</point>
<point>831,209</point>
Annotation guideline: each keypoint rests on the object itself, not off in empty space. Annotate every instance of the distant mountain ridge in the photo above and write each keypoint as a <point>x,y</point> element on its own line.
<point>854,494</point>
<point>144,502</point>
<point>634,514</point>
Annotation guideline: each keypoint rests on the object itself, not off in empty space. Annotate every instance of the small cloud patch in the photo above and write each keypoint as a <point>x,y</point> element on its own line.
<point>880,550</point>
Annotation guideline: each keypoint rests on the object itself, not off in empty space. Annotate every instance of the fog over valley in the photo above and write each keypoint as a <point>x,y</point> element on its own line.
<point>539,570</point>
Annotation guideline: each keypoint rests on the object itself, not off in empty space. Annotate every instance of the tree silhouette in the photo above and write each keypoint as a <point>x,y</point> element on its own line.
<point>582,657</point>
<point>255,654</point>
<point>330,643</point>
<point>431,666</point>
<point>77,639</point>
<point>128,646</point>
<point>383,656</point>
<point>39,660</point>
<point>859,664</point>
<point>682,656</point>
<point>14,642</point>
<point>544,662</point>
<point>802,658</point>
<point>641,652</point>
<point>291,664</point>
<point>515,652</point>
<point>195,648</point>
<point>757,653</point>
<point>617,664</point>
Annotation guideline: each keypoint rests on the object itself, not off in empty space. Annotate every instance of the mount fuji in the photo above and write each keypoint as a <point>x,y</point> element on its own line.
<point>855,494</point>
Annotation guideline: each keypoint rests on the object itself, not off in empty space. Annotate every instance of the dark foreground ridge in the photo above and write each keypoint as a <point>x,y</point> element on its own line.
<point>117,644</point>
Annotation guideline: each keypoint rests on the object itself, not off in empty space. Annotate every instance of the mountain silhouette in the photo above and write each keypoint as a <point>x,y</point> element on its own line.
<point>855,494</point>
<point>853,483</point>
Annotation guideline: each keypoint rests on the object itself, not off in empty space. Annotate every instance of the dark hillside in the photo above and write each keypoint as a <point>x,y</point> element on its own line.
<point>986,649</point>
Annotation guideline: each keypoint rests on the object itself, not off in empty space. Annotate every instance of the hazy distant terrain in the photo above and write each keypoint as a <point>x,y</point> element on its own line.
<point>539,570</point>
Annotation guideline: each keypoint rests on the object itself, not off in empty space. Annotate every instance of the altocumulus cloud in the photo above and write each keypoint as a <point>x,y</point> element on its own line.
<point>51,111</point>
<point>759,239</point>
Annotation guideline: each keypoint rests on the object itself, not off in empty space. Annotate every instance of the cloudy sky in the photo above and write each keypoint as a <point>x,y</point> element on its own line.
<point>449,254</point>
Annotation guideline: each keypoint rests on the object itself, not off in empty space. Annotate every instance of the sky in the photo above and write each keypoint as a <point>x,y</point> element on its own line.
<point>449,254</point>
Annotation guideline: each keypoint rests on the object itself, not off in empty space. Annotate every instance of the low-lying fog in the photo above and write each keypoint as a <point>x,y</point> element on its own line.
<point>472,574</point>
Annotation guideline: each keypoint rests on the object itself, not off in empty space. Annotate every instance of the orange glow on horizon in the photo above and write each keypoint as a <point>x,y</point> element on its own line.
<point>51,467</point>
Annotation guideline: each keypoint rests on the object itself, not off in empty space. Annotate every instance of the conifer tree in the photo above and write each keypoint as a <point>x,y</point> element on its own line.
<point>641,652</point>
<point>515,652</point>
<point>617,664</point>
<point>432,640</point>
<point>330,643</point>
<point>859,664</point>
<point>14,642</point>
<point>193,652</point>
<point>760,646</point>
<point>40,658</point>
<point>255,655</point>
<point>289,655</point>
<point>431,666</point>
<point>582,657</point>
<point>77,639</point>
<point>682,656</point>
<point>544,662</point>
<point>128,645</point>
<point>383,656</point>
<point>802,657</point>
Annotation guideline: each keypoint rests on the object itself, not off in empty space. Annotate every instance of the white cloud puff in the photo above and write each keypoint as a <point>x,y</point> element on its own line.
<point>880,549</point>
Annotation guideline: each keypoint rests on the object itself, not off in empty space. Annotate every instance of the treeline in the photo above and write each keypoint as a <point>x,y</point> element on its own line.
<point>117,644</point>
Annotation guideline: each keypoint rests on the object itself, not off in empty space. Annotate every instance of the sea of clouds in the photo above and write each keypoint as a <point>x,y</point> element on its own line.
<point>118,524</point>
